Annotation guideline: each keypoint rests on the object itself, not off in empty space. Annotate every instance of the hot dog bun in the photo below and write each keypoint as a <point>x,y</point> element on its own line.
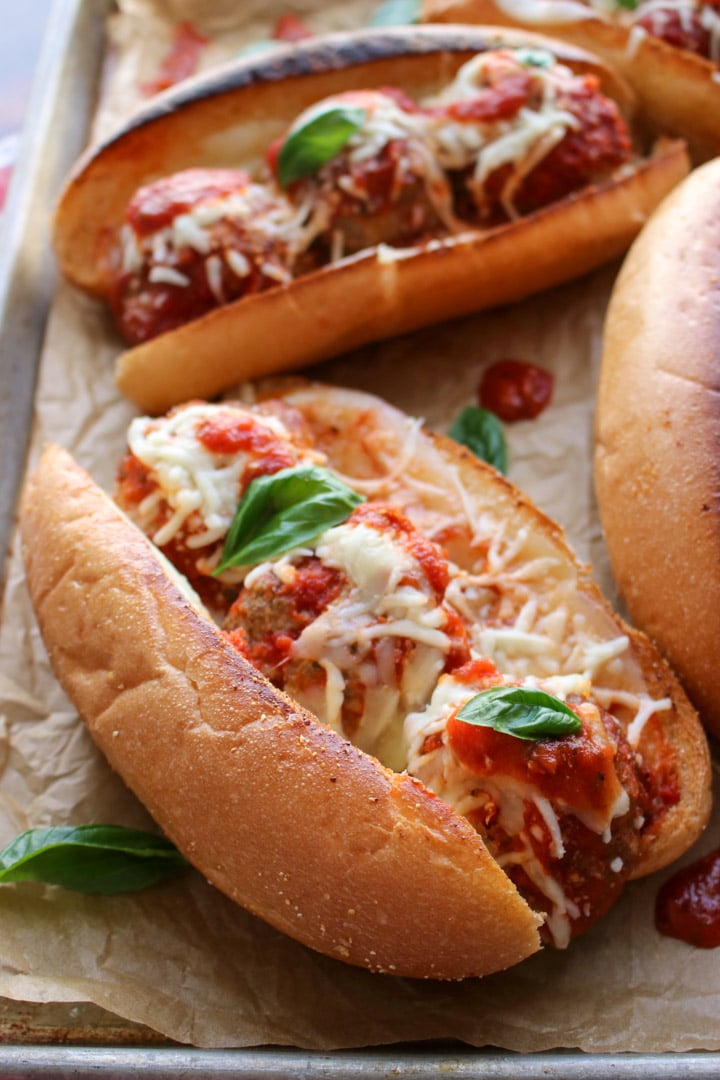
<point>270,805</point>
<point>656,469</point>
<point>677,91</point>
<point>371,294</point>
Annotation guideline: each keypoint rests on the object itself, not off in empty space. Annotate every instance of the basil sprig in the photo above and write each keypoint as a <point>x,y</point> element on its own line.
<point>283,511</point>
<point>91,858</point>
<point>320,139</point>
<point>395,13</point>
<point>522,712</point>
<point>481,431</point>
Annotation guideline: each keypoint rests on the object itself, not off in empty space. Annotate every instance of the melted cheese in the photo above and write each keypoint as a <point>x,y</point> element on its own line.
<point>252,208</point>
<point>357,634</point>
<point>191,479</point>
<point>522,140</point>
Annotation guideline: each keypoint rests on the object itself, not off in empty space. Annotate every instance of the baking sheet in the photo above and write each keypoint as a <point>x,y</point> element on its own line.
<point>36,180</point>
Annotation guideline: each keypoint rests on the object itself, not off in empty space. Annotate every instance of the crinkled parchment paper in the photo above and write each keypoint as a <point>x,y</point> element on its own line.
<point>183,959</point>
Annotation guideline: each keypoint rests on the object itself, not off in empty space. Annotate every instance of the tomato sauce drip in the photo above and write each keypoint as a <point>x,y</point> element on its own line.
<point>227,434</point>
<point>134,480</point>
<point>516,390</point>
<point>459,652</point>
<point>290,28</point>
<point>688,904</point>
<point>181,60</point>
<point>499,102</point>
<point>156,205</point>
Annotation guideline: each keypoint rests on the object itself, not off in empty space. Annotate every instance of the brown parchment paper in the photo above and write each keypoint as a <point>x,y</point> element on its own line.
<point>181,958</point>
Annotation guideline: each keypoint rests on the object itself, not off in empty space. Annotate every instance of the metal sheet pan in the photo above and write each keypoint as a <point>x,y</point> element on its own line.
<point>60,1040</point>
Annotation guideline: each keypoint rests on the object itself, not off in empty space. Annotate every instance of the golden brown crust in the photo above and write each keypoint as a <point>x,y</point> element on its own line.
<point>677,91</point>
<point>270,805</point>
<point>366,297</point>
<point>280,813</point>
<point>657,468</point>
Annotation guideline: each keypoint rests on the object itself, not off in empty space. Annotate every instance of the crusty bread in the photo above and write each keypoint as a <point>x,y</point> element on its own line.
<point>364,297</point>
<point>279,812</point>
<point>657,468</point>
<point>677,91</point>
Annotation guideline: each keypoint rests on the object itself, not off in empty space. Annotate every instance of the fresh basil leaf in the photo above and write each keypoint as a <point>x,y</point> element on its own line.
<point>482,432</point>
<point>534,58</point>
<point>283,511</point>
<point>310,146</point>
<point>522,712</point>
<point>629,5</point>
<point>396,13</point>
<point>91,858</point>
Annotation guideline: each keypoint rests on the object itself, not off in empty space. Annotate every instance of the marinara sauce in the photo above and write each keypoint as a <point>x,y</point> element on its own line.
<point>181,60</point>
<point>688,904</point>
<point>515,390</point>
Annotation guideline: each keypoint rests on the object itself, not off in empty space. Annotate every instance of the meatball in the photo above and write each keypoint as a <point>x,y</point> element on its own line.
<point>563,816</point>
<point>195,241</point>
<point>383,185</point>
<point>183,475</point>
<point>517,131</point>
<point>355,630</point>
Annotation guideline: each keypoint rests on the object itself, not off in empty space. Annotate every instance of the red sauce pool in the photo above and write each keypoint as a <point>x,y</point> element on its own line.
<point>515,390</point>
<point>688,904</point>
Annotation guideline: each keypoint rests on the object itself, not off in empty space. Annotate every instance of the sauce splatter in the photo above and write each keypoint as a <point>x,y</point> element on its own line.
<point>515,390</point>
<point>688,904</point>
<point>181,60</point>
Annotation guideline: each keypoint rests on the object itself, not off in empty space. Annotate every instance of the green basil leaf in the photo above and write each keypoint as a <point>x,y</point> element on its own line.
<point>284,510</point>
<point>629,5</point>
<point>396,13</point>
<point>91,858</point>
<point>534,58</point>
<point>310,146</point>
<point>482,432</point>
<point>522,712</point>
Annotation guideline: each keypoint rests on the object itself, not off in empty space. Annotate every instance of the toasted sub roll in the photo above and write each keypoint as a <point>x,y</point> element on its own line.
<point>389,280</point>
<point>282,812</point>
<point>677,89</point>
<point>656,464</point>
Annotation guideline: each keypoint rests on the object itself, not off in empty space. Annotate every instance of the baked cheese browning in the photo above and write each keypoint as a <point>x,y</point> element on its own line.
<point>355,628</point>
<point>183,475</point>
<point>383,186</point>
<point>563,817</point>
<point>518,131</point>
<point>194,241</point>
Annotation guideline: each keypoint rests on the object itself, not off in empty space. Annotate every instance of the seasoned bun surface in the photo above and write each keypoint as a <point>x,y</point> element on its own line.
<point>281,814</point>
<point>657,468</point>
<point>281,811</point>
